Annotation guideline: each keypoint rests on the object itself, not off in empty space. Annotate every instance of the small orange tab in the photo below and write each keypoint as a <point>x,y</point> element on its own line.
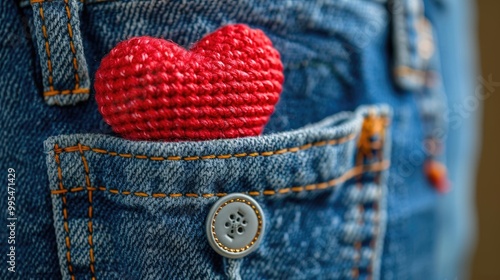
<point>437,174</point>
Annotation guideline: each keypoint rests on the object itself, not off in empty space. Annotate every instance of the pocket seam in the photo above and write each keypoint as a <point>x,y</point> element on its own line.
<point>331,142</point>
<point>351,173</point>
<point>371,150</point>
<point>90,212</point>
<point>65,215</point>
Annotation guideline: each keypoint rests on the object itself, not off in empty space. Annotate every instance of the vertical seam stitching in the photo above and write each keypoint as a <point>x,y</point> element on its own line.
<point>90,212</point>
<point>67,238</point>
<point>376,205</point>
<point>47,47</point>
<point>358,244</point>
<point>72,45</point>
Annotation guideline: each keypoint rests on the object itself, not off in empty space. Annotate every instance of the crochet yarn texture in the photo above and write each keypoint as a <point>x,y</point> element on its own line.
<point>225,86</point>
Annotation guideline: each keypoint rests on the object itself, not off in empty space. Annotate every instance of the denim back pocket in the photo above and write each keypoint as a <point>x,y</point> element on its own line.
<point>137,210</point>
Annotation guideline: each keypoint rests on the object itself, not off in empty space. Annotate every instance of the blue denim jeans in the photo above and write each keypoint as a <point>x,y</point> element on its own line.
<point>91,205</point>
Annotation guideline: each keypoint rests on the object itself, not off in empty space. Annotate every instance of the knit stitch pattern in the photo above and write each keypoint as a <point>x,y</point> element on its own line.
<point>225,86</point>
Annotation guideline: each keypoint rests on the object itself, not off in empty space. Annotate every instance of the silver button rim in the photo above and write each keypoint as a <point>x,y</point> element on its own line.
<point>216,244</point>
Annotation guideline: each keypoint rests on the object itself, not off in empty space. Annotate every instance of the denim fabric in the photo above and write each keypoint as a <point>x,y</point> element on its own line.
<point>59,47</point>
<point>149,201</point>
<point>338,55</point>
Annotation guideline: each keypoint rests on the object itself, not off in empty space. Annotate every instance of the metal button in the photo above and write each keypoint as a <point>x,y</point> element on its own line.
<point>235,225</point>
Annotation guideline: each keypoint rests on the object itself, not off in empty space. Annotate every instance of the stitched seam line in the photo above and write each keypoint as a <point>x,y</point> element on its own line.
<point>65,92</point>
<point>205,157</point>
<point>65,216</point>
<point>355,171</point>
<point>376,206</point>
<point>72,44</point>
<point>360,157</point>
<point>47,47</point>
<point>358,244</point>
<point>50,78</point>
<point>90,210</point>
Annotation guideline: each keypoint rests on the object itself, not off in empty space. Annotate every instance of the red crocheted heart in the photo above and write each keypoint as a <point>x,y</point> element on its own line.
<point>226,86</point>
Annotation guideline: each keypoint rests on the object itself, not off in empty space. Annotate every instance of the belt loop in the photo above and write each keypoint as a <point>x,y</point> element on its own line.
<point>59,46</point>
<point>413,43</point>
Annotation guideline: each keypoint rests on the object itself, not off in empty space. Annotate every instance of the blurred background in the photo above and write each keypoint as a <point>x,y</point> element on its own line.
<point>486,261</point>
